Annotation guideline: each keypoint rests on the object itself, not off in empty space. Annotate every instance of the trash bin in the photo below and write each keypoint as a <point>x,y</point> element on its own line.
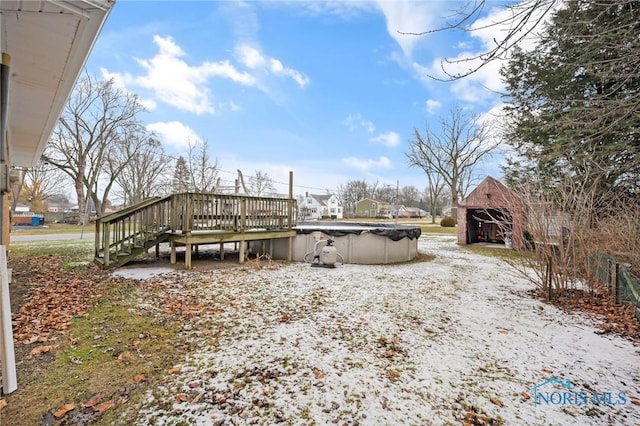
<point>35,221</point>
<point>508,242</point>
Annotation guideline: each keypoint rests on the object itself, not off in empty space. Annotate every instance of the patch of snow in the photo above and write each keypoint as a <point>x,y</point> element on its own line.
<point>418,343</point>
<point>142,273</point>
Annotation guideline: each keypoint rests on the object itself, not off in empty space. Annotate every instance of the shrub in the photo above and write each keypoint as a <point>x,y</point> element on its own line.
<point>448,222</point>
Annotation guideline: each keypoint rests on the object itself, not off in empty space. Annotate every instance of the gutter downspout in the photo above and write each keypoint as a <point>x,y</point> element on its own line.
<point>7,351</point>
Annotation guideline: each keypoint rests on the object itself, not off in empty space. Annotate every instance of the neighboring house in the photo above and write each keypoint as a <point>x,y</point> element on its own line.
<point>415,212</point>
<point>320,206</point>
<point>369,207</point>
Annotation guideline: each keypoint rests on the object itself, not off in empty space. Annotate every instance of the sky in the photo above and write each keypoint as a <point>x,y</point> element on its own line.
<point>331,90</point>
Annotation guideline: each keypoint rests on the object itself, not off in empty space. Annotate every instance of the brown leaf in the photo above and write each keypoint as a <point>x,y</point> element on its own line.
<point>174,370</point>
<point>634,400</point>
<point>41,349</point>
<point>547,370</point>
<point>3,403</point>
<point>136,343</point>
<point>105,406</point>
<point>393,374</point>
<point>93,400</point>
<point>180,398</point>
<point>60,412</point>
<point>497,402</point>
<point>318,374</point>
<point>503,331</point>
<point>525,395</point>
<point>139,378</point>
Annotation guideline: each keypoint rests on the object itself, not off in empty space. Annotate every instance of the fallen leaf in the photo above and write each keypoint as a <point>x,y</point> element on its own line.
<point>60,412</point>
<point>136,343</point>
<point>503,331</point>
<point>546,370</point>
<point>525,395</point>
<point>41,349</point>
<point>174,370</point>
<point>635,401</point>
<point>105,406</point>
<point>93,400</point>
<point>318,374</point>
<point>393,374</point>
<point>139,378</point>
<point>180,398</point>
<point>497,402</point>
<point>3,403</point>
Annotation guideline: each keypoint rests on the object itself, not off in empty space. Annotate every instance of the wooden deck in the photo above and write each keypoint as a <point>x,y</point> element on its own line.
<point>191,219</point>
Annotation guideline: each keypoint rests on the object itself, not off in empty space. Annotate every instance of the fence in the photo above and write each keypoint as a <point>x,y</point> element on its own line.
<point>623,286</point>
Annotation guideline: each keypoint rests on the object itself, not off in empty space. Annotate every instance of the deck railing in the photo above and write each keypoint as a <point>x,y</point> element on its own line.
<point>232,213</point>
<point>121,234</point>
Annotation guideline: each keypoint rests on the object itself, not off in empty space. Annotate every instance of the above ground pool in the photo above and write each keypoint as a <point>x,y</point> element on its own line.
<point>360,243</point>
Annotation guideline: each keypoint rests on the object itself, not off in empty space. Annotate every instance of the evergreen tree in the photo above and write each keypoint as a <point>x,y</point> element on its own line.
<point>575,102</point>
<point>181,176</point>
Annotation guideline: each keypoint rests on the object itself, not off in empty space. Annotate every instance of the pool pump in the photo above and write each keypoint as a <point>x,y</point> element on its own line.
<point>327,257</point>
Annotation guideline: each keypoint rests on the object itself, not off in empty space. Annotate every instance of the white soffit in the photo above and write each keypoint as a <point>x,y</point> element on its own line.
<point>48,42</point>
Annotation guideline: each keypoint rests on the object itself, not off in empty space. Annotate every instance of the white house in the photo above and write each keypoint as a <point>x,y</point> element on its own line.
<point>320,206</point>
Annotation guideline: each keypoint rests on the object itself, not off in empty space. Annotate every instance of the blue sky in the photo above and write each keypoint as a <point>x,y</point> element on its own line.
<point>329,90</point>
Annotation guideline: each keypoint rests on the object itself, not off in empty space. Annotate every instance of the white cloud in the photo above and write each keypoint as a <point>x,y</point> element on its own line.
<point>175,82</point>
<point>365,164</point>
<point>389,139</point>
<point>120,81</point>
<point>432,105</point>
<point>250,57</point>
<point>255,60</point>
<point>174,133</point>
<point>409,17</point>
<point>278,69</point>
<point>354,122</point>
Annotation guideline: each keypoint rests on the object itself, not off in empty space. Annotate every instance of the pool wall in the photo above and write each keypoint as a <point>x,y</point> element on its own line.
<point>359,244</point>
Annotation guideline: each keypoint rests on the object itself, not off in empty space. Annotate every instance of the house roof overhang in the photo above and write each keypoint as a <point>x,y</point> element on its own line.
<point>47,43</point>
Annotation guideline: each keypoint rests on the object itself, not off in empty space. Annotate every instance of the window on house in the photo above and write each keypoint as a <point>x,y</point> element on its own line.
<point>314,210</point>
<point>308,200</point>
<point>333,210</point>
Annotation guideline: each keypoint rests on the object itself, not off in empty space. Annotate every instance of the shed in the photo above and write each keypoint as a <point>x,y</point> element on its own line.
<point>491,213</point>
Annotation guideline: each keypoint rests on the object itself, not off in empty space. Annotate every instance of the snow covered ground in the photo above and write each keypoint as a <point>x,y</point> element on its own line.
<point>459,338</point>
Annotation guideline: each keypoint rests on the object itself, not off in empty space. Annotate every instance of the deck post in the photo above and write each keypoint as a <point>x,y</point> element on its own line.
<point>241,253</point>
<point>106,234</point>
<point>221,251</point>
<point>187,256</point>
<point>173,253</point>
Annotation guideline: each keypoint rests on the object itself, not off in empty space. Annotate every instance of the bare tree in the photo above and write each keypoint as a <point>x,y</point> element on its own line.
<point>409,196</point>
<point>352,192</point>
<point>453,153</point>
<point>520,21</point>
<point>97,122</point>
<point>36,185</point>
<point>204,169</point>
<point>260,183</point>
<point>434,192</point>
<point>145,174</point>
